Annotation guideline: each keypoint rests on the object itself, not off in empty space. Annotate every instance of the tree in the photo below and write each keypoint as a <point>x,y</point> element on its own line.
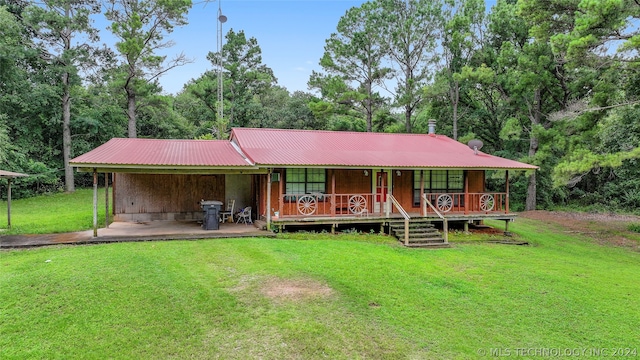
<point>245,77</point>
<point>462,37</point>
<point>411,29</point>
<point>141,26</point>
<point>606,27</point>
<point>354,54</point>
<point>598,40</point>
<point>299,114</point>
<point>195,110</point>
<point>57,24</point>
<point>29,118</point>
<point>159,120</point>
<point>515,81</point>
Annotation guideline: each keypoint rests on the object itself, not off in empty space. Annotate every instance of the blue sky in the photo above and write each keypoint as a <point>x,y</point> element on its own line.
<point>290,33</point>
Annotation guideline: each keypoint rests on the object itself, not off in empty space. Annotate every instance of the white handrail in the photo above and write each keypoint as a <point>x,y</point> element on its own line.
<point>445,223</point>
<point>395,202</point>
<point>427,202</point>
<point>403,212</point>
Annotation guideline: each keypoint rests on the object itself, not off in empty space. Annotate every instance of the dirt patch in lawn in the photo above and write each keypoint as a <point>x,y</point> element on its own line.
<point>486,230</point>
<point>606,229</point>
<point>299,289</point>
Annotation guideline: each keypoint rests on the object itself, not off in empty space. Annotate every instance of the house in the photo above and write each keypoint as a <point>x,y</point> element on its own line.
<point>295,177</point>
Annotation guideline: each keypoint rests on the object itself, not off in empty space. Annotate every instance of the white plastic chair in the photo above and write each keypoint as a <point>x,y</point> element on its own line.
<point>228,214</point>
<point>245,216</point>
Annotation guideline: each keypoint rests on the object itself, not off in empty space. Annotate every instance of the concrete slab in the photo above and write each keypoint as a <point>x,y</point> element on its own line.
<point>135,231</point>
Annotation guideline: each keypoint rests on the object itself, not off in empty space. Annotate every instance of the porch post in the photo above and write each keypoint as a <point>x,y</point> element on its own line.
<point>389,189</point>
<point>269,199</point>
<point>9,203</point>
<point>423,206</point>
<point>333,193</point>
<point>95,202</point>
<point>387,205</point>
<point>445,228</point>
<point>106,200</point>
<point>466,193</point>
<point>506,200</point>
<point>281,196</point>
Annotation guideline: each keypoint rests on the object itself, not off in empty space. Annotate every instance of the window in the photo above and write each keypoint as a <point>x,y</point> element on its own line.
<point>437,181</point>
<point>304,181</point>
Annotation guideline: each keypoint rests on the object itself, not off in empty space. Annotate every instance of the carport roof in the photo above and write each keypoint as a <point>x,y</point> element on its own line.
<point>126,153</point>
<point>11,175</point>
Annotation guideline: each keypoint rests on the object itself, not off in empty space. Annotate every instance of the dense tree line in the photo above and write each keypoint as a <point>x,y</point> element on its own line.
<point>549,82</point>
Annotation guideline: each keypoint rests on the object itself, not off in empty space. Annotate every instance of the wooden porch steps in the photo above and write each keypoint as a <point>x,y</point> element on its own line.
<point>421,234</point>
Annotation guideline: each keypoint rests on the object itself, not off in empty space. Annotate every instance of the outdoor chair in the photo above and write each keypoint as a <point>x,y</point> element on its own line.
<point>228,214</point>
<point>245,216</point>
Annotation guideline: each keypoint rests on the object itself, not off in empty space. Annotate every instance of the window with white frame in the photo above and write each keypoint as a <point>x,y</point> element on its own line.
<point>437,181</point>
<point>305,181</point>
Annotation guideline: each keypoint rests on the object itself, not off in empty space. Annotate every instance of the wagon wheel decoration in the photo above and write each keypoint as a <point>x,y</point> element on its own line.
<point>307,204</point>
<point>357,204</point>
<point>486,202</point>
<point>444,202</point>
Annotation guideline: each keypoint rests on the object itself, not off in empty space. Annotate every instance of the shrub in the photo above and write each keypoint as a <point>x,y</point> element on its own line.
<point>635,227</point>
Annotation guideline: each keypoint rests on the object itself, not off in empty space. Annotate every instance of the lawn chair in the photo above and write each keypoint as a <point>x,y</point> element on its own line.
<point>228,214</point>
<point>245,216</point>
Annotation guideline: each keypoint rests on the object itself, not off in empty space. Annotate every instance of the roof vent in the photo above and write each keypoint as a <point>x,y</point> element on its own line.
<point>475,145</point>
<point>432,127</point>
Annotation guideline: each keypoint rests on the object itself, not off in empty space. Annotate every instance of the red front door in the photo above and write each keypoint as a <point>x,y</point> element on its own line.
<point>381,187</point>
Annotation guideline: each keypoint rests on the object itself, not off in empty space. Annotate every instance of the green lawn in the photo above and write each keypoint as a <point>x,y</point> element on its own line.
<point>56,213</point>
<point>359,297</point>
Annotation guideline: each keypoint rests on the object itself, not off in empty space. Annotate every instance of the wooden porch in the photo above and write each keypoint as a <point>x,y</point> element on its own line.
<point>306,207</point>
<point>413,229</point>
<point>404,202</point>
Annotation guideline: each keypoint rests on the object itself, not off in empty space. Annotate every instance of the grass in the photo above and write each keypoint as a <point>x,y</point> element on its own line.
<point>594,207</point>
<point>207,299</point>
<point>635,227</point>
<point>215,299</point>
<point>55,213</point>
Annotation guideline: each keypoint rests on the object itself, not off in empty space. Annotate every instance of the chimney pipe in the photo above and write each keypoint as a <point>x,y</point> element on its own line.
<point>432,127</point>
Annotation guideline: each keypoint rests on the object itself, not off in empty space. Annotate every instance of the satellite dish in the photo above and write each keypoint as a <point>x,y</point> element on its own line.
<point>475,145</point>
<point>222,19</point>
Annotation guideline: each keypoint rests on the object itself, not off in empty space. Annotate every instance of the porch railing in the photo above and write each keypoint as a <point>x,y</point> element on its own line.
<point>317,204</point>
<point>467,203</point>
<point>330,205</point>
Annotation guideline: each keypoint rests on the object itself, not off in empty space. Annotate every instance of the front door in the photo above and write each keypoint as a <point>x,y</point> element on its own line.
<point>381,192</point>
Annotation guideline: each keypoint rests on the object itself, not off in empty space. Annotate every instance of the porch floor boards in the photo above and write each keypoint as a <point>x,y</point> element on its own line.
<point>382,218</point>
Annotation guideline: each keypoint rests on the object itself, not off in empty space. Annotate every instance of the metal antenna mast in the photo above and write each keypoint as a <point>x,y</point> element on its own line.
<point>221,20</point>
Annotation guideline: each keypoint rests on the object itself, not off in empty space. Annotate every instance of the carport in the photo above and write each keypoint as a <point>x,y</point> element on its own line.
<point>164,179</point>
<point>9,176</point>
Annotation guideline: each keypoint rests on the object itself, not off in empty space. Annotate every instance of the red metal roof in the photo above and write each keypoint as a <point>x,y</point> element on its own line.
<point>275,147</point>
<point>149,152</point>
